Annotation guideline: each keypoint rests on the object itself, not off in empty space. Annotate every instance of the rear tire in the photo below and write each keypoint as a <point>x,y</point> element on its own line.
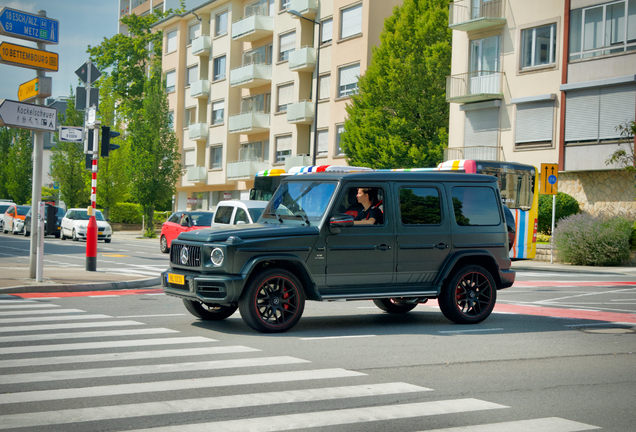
<point>209,312</point>
<point>163,244</point>
<point>394,305</point>
<point>469,296</point>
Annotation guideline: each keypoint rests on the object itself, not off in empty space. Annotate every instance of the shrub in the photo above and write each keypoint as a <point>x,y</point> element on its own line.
<point>632,238</point>
<point>602,240</point>
<point>543,238</point>
<point>565,206</point>
<point>126,213</point>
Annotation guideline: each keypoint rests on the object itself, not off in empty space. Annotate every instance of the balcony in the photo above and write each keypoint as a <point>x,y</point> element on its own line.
<point>300,112</point>
<point>201,46</point>
<point>198,132</point>
<point>469,15</point>
<point>307,8</point>
<point>252,28</point>
<point>302,60</point>
<point>297,161</point>
<point>249,123</point>
<point>200,89</point>
<point>196,174</point>
<point>474,87</point>
<point>486,153</point>
<point>251,75</point>
<point>245,169</point>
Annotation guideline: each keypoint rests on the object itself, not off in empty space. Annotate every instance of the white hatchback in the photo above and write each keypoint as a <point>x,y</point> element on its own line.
<point>75,223</point>
<point>235,212</point>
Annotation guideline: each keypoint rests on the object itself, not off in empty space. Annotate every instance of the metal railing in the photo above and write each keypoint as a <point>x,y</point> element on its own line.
<point>463,11</point>
<point>470,85</point>
<point>473,152</point>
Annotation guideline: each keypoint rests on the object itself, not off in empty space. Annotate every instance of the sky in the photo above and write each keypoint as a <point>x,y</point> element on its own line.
<point>82,23</point>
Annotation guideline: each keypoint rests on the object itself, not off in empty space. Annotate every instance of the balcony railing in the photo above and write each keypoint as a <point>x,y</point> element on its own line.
<point>297,161</point>
<point>307,8</point>
<point>200,89</point>
<point>251,75</point>
<point>252,28</point>
<point>302,60</point>
<point>468,15</point>
<point>198,131</point>
<point>245,169</point>
<point>300,112</point>
<point>473,152</point>
<point>249,123</point>
<point>196,174</point>
<point>474,86</point>
<point>201,46</point>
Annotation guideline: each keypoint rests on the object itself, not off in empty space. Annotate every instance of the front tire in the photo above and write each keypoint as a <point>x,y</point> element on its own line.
<point>273,302</point>
<point>62,236</point>
<point>74,235</point>
<point>163,244</point>
<point>394,305</point>
<point>469,296</point>
<point>208,312</point>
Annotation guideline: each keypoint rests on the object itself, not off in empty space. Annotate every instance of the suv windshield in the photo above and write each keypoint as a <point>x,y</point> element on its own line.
<point>303,200</point>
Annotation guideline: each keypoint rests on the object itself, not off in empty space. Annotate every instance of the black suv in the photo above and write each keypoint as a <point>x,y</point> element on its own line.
<point>438,235</point>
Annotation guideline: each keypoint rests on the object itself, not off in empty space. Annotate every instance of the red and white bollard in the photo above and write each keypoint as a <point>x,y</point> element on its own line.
<point>91,230</point>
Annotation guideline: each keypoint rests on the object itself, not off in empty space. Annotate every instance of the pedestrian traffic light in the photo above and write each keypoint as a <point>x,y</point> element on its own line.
<point>107,134</point>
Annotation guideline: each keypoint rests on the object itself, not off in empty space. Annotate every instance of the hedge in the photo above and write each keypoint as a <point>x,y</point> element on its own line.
<point>126,213</point>
<point>565,206</point>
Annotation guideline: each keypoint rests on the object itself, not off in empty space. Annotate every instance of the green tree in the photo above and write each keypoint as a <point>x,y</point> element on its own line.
<point>625,156</point>
<point>399,118</point>
<point>68,162</point>
<point>6,139</point>
<point>154,166</point>
<point>20,167</point>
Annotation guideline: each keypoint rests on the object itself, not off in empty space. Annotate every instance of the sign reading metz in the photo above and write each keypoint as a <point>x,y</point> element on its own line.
<point>27,26</point>
<point>27,116</point>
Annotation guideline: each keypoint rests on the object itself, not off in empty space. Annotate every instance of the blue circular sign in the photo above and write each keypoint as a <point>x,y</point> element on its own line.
<point>552,179</point>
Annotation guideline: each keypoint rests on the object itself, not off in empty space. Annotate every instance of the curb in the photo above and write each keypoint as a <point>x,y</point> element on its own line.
<point>101,286</point>
<point>570,270</point>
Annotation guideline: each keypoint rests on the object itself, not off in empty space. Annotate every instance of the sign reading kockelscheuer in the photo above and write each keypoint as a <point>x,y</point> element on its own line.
<point>27,116</point>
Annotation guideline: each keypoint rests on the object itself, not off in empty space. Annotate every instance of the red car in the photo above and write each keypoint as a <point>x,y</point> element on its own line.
<point>181,222</point>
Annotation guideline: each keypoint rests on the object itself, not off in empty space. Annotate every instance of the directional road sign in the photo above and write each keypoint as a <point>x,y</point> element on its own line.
<point>71,134</point>
<point>32,58</point>
<point>37,87</point>
<point>27,26</point>
<point>82,72</point>
<point>27,116</point>
<point>549,179</point>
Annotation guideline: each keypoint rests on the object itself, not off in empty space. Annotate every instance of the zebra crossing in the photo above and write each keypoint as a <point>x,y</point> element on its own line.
<point>62,375</point>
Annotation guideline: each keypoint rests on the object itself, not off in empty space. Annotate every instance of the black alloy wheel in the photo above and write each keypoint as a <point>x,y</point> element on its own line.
<point>394,305</point>
<point>469,296</point>
<point>209,312</point>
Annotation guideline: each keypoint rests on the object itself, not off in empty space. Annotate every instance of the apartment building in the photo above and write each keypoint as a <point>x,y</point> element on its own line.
<point>546,81</point>
<point>244,79</point>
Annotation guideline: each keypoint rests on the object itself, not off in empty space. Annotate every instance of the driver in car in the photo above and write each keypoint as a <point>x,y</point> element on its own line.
<point>370,214</point>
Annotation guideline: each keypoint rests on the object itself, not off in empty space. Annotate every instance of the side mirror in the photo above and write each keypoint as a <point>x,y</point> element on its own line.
<point>340,221</point>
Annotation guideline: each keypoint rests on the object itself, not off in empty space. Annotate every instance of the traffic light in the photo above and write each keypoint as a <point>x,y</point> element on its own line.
<point>106,145</point>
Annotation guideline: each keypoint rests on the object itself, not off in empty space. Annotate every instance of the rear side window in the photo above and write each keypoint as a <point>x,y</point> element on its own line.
<point>420,206</point>
<point>241,216</point>
<point>223,215</point>
<point>475,206</point>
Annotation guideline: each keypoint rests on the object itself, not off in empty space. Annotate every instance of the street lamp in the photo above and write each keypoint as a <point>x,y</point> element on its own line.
<point>319,24</point>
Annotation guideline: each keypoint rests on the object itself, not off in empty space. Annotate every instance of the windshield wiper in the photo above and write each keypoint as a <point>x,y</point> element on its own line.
<point>280,219</point>
<point>304,216</point>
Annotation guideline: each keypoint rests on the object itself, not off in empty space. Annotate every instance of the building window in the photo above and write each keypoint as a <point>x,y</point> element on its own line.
<point>283,148</point>
<point>284,4</point>
<point>254,151</point>
<point>193,74</point>
<point>323,143</point>
<point>220,21</point>
<point>171,45</point>
<point>351,21</point>
<point>287,44</point>
<point>285,97</point>
<point>190,116</point>
<point>218,111</point>
<point>170,119</point>
<point>256,104</point>
<point>339,131</point>
<point>538,46</point>
<point>219,68</point>
<point>324,86</point>
<point>216,157</point>
<point>348,80</point>
<point>327,31</point>
<point>194,31</point>
<point>534,123</point>
<point>189,158</point>
<point>261,55</point>
<point>603,29</point>
<point>170,81</point>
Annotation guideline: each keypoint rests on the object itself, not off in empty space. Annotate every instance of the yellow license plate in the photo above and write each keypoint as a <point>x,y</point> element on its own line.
<point>176,279</point>
<point>101,232</point>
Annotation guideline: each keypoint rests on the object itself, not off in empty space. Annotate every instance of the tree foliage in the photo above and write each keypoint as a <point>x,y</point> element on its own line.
<point>6,138</point>
<point>566,205</point>
<point>19,167</point>
<point>399,118</point>
<point>625,156</point>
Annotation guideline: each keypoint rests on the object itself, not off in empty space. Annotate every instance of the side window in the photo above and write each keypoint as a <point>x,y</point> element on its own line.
<point>420,206</point>
<point>175,218</point>
<point>70,215</point>
<point>475,206</point>
<point>241,216</point>
<point>223,215</point>
<point>353,203</point>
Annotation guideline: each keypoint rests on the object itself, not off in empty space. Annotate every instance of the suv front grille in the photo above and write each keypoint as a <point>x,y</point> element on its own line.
<point>193,255</point>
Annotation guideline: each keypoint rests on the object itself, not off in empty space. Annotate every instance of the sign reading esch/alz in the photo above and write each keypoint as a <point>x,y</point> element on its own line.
<point>27,116</point>
<point>28,26</point>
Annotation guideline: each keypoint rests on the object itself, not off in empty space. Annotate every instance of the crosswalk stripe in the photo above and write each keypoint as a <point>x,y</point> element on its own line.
<point>52,318</point>
<point>203,404</point>
<point>32,305</point>
<point>160,386</point>
<point>80,335</point>
<point>37,327</point>
<point>41,312</point>
<point>137,355</point>
<point>15,300</point>
<point>336,417</point>
<point>147,369</point>
<point>110,344</point>
<point>551,424</point>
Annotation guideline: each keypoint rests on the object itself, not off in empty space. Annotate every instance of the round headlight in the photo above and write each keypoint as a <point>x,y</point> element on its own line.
<point>217,256</point>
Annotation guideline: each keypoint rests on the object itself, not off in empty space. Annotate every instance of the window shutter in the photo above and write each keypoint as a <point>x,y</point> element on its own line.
<point>581,115</point>
<point>172,41</point>
<point>288,42</point>
<point>324,87</point>
<point>351,23</point>
<point>193,74</point>
<point>285,94</point>
<point>481,127</point>
<point>323,142</point>
<point>170,79</point>
<point>190,158</point>
<point>194,32</point>
<point>618,104</point>
<point>327,30</point>
<point>284,143</point>
<point>534,122</point>
<point>349,75</point>
<point>218,106</point>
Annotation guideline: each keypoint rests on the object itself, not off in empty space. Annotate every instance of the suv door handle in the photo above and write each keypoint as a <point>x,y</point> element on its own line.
<point>384,247</point>
<point>441,246</point>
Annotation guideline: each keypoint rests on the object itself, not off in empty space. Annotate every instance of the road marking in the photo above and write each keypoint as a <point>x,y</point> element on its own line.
<point>472,330</point>
<point>139,291</point>
<point>53,318</point>
<point>161,386</point>
<point>336,337</point>
<point>203,404</point>
<point>550,424</point>
<point>537,310</point>
<point>30,305</point>
<point>102,296</point>
<point>337,417</point>
<point>101,345</point>
<point>42,312</point>
<point>91,334</point>
<point>150,316</point>
<point>138,272</point>
<point>607,324</point>
<point>110,255</point>
<point>137,355</point>
<point>28,328</point>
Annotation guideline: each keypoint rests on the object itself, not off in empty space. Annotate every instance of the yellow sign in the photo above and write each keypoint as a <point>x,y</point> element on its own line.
<point>28,90</point>
<point>18,55</point>
<point>549,179</point>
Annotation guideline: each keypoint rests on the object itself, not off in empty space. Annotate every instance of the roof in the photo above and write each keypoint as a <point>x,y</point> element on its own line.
<point>248,204</point>
<point>375,176</point>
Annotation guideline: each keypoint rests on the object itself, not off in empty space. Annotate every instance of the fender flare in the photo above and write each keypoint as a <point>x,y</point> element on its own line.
<point>455,257</point>
<point>295,262</point>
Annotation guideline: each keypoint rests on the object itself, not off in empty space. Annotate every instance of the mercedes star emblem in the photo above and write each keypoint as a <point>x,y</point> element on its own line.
<point>184,256</point>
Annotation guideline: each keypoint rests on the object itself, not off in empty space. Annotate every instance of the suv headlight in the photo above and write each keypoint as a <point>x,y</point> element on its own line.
<point>217,256</point>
